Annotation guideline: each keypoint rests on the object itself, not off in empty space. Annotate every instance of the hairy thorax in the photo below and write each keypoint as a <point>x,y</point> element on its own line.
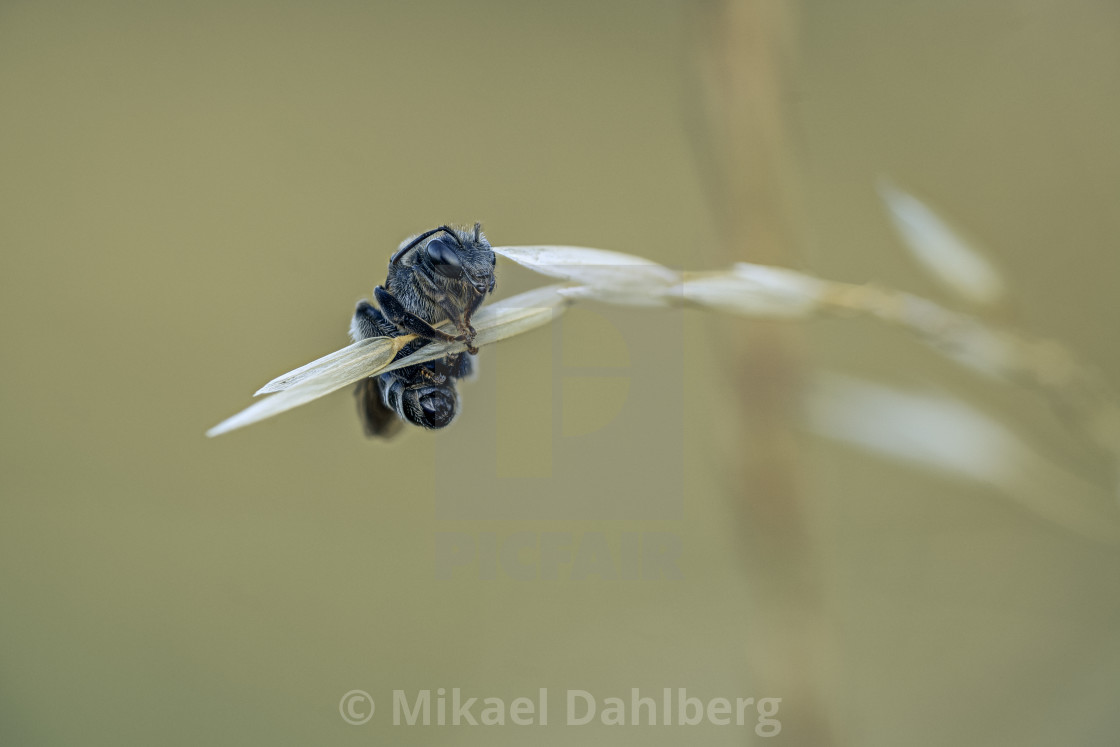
<point>418,303</point>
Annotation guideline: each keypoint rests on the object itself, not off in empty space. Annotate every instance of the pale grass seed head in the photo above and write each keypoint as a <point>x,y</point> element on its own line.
<point>947,434</point>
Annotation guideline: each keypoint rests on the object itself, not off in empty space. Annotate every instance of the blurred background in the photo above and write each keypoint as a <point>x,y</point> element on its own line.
<point>196,194</point>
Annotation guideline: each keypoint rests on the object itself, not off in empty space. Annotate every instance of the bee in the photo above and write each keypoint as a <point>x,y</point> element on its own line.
<point>440,274</point>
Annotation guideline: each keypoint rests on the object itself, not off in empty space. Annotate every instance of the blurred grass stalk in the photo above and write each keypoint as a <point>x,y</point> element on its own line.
<point>743,52</point>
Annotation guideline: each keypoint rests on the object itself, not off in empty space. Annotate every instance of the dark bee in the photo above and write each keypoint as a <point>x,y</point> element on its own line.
<point>441,274</point>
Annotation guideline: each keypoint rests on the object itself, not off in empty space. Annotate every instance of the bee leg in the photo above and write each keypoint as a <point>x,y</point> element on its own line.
<point>408,322</point>
<point>459,366</point>
<point>429,375</point>
<point>369,322</point>
<point>428,286</point>
<point>465,321</point>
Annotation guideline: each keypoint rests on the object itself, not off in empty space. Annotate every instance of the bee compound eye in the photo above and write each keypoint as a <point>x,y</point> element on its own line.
<point>442,254</point>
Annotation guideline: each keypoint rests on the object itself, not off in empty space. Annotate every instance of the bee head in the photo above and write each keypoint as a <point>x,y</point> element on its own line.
<point>457,254</point>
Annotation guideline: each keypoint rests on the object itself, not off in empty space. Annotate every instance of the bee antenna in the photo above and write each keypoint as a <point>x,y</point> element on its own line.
<point>404,249</point>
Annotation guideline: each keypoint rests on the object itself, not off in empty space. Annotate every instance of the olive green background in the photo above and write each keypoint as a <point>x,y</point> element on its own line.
<point>194,196</point>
